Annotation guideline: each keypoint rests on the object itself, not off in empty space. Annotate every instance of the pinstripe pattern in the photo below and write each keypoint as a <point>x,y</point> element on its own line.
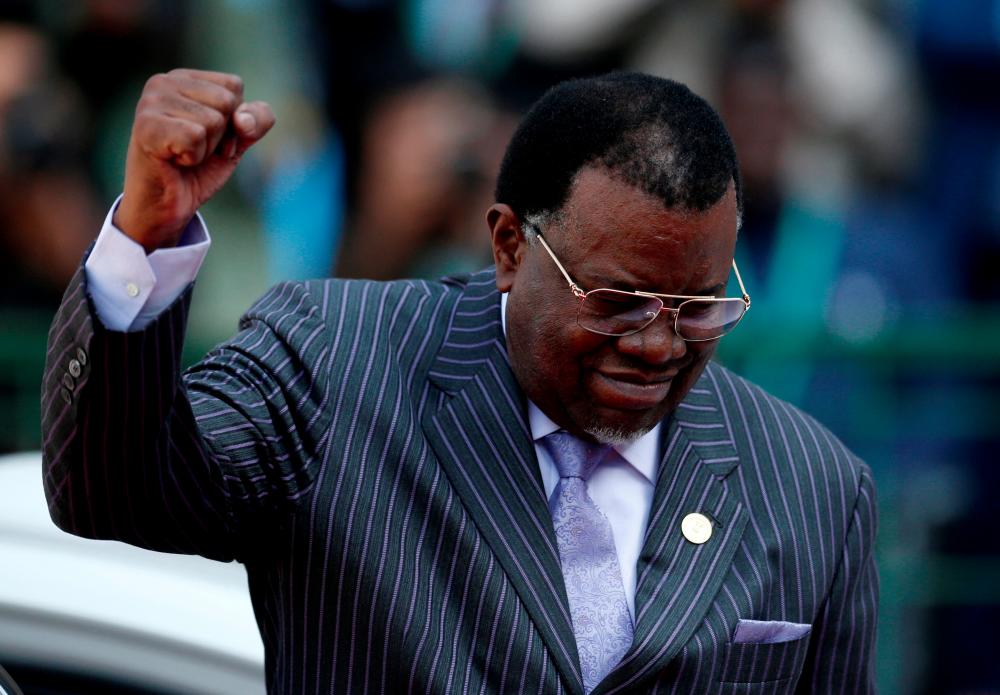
<point>363,449</point>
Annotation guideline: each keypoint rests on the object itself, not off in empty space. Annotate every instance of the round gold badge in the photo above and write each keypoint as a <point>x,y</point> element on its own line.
<point>697,528</point>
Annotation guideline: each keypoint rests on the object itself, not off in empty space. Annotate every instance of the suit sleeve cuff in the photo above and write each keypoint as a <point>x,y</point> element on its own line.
<point>130,289</point>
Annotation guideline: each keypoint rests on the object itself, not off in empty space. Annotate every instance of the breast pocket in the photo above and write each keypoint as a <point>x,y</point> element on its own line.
<point>752,663</point>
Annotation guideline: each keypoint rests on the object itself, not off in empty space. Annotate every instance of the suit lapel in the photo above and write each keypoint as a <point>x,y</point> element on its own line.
<point>479,432</point>
<point>678,580</point>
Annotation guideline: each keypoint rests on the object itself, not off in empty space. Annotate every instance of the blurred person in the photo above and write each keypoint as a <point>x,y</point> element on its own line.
<point>418,129</point>
<point>361,55</point>
<point>48,211</point>
<point>455,482</point>
<point>88,40</point>
<point>93,38</point>
<point>852,80</point>
<point>793,240</point>
<point>429,155</point>
<point>47,202</point>
<point>832,272</point>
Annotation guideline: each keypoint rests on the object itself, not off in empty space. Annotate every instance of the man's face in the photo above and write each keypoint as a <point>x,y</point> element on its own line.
<point>611,235</point>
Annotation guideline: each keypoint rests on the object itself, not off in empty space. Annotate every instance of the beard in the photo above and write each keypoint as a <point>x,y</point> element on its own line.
<point>616,436</point>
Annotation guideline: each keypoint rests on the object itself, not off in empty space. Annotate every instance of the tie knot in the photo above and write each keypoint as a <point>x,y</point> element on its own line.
<point>574,457</point>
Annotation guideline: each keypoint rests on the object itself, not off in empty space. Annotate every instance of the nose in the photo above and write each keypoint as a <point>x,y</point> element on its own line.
<point>657,343</point>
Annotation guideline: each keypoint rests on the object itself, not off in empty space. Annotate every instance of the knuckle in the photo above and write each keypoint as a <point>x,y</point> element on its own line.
<point>155,82</point>
<point>215,120</point>
<point>193,134</point>
<point>149,100</point>
<point>230,101</point>
<point>199,132</point>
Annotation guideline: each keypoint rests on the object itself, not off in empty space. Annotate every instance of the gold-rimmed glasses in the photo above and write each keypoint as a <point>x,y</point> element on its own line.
<point>618,312</point>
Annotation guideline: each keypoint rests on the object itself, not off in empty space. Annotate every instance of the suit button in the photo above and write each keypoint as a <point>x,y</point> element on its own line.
<point>66,396</point>
<point>68,381</point>
<point>81,356</point>
<point>74,368</point>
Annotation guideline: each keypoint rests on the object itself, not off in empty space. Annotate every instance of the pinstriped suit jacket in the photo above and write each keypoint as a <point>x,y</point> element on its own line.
<point>363,449</point>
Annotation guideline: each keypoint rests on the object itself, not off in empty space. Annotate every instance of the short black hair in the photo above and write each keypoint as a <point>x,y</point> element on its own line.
<point>654,133</point>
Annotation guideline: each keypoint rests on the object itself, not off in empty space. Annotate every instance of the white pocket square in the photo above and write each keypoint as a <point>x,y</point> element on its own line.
<point>769,631</point>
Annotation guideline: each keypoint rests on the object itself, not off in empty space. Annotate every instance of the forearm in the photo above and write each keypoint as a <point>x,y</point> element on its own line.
<point>122,455</point>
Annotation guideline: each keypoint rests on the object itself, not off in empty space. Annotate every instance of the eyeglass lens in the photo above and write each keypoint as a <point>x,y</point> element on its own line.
<point>706,319</point>
<point>611,312</point>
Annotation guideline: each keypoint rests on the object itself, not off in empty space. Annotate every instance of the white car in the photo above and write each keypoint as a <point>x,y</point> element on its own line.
<point>84,616</point>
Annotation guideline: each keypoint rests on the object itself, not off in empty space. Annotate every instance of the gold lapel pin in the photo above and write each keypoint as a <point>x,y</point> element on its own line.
<point>697,528</point>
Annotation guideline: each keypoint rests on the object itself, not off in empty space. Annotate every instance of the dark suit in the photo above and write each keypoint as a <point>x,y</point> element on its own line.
<point>363,449</point>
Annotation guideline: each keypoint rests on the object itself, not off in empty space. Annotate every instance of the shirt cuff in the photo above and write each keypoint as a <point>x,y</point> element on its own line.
<point>130,289</point>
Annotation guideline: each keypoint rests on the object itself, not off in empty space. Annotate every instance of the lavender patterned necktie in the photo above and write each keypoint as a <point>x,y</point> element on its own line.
<point>589,560</point>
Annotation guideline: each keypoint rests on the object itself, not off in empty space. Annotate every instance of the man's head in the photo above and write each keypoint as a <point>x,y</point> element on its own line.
<point>634,184</point>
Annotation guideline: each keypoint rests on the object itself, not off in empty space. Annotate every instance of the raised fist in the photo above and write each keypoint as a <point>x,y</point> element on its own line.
<point>191,128</point>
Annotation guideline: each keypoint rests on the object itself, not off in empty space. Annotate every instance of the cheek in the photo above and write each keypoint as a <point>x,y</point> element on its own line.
<point>549,342</point>
<point>539,339</point>
<point>568,351</point>
<point>702,352</point>
<point>566,347</point>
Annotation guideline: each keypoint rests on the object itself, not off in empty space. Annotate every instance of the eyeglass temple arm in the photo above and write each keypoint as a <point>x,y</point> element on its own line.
<point>739,279</point>
<point>572,285</point>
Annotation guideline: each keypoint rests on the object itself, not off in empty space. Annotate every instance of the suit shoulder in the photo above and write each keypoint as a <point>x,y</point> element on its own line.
<point>401,319</point>
<point>347,303</point>
<point>764,425</point>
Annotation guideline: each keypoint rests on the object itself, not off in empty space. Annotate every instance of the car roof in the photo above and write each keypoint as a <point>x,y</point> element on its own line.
<point>99,605</point>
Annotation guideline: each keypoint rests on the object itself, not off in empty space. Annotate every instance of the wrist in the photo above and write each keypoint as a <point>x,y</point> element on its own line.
<point>150,237</point>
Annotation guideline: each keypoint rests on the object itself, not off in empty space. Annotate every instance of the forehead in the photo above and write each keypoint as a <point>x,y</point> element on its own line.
<point>613,227</point>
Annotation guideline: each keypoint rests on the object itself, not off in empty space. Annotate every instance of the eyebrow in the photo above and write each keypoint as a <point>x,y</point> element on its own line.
<point>715,290</point>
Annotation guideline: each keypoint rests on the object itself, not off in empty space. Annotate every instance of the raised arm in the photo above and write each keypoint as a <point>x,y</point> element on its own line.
<point>126,455</point>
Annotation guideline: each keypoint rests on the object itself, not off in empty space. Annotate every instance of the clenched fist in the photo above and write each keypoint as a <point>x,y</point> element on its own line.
<point>191,128</point>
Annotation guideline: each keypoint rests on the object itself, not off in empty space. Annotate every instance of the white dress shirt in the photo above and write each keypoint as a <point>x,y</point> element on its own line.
<point>130,289</point>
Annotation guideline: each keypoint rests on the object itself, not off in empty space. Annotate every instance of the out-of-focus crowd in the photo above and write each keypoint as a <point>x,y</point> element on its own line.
<point>868,133</point>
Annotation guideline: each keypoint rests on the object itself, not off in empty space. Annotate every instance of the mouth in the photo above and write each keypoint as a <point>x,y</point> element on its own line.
<point>629,391</point>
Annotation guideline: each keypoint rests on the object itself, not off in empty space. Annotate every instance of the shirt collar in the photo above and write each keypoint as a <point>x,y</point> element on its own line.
<point>642,453</point>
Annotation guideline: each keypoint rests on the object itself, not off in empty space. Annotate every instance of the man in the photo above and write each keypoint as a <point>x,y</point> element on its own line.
<point>526,480</point>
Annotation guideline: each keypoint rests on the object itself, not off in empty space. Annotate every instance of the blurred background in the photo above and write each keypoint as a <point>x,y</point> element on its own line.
<point>869,138</point>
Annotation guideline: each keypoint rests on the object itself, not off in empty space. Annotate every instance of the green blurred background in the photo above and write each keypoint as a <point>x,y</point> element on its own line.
<point>869,137</point>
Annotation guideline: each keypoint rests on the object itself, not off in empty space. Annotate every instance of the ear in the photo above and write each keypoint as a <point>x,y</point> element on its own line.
<point>509,244</point>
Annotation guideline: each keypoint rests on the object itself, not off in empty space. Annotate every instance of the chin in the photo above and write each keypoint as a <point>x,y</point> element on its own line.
<point>609,423</point>
<point>615,436</point>
<point>618,427</point>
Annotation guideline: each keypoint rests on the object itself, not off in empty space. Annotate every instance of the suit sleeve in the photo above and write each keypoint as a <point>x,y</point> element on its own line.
<point>841,655</point>
<point>201,463</point>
